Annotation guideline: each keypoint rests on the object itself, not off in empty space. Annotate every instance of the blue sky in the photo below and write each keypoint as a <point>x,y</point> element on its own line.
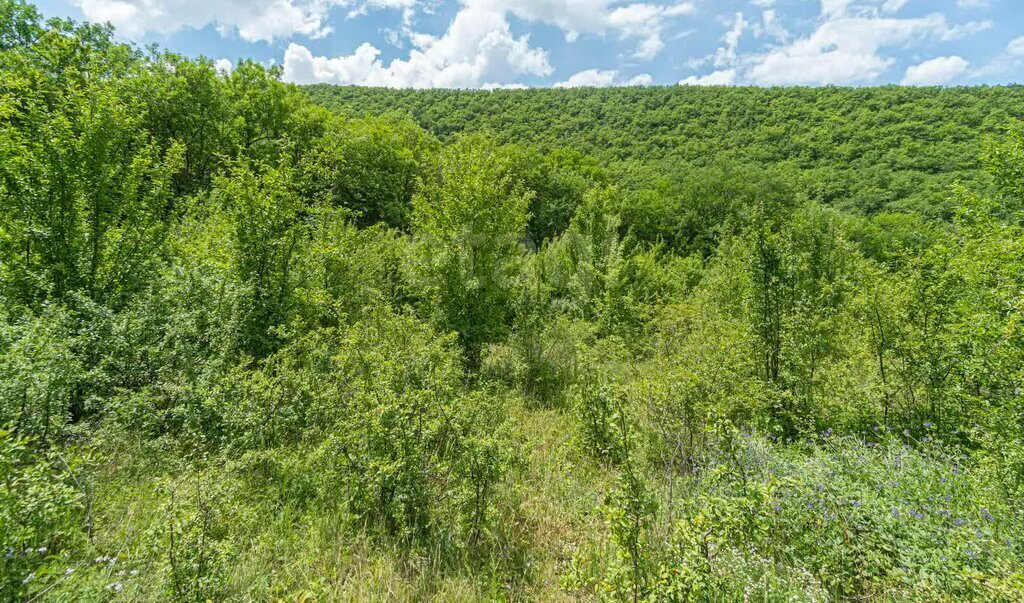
<point>516,43</point>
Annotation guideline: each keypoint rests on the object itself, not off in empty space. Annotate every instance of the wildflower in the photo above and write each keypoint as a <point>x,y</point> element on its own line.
<point>927,425</point>
<point>777,508</point>
<point>134,572</point>
<point>117,586</point>
<point>942,480</point>
<point>917,514</point>
<point>958,522</point>
<point>895,512</point>
<point>41,549</point>
<point>926,439</point>
<point>29,578</point>
<point>855,503</point>
<point>9,553</point>
<point>986,514</point>
<point>68,572</point>
<point>906,432</point>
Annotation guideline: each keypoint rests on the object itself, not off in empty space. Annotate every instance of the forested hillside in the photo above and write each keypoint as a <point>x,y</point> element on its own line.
<point>644,344</point>
<point>864,149</point>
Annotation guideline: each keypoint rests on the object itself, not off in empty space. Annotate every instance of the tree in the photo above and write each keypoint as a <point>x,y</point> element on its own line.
<point>468,223</point>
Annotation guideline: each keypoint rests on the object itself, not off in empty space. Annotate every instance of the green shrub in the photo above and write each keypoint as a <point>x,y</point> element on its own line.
<point>41,515</point>
<point>39,375</point>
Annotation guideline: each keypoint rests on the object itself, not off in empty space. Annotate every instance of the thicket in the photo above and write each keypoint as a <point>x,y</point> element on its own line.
<point>253,349</point>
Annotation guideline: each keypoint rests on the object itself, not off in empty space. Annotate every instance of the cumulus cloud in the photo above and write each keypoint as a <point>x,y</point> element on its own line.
<point>725,77</point>
<point>477,48</point>
<point>224,66</point>
<point>601,78</point>
<point>935,72</point>
<point>843,49</point>
<point>269,20</point>
<point>1011,60</point>
<point>252,20</point>
<point>641,21</point>
<point>852,43</point>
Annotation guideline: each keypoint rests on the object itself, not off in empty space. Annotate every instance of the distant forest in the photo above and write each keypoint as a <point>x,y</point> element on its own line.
<point>862,149</point>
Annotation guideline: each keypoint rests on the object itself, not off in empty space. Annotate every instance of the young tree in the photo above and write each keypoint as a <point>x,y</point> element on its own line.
<point>469,222</point>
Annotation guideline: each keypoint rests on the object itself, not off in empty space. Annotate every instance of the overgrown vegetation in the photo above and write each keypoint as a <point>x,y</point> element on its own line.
<point>254,349</point>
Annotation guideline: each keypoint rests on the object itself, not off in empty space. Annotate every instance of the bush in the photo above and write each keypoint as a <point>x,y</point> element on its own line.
<point>849,518</point>
<point>41,513</point>
<point>39,375</point>
<point>396,439</point>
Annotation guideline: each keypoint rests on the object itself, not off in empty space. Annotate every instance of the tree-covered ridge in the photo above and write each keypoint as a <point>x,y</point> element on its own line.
<point>865,149</point>
<point>254,349</point>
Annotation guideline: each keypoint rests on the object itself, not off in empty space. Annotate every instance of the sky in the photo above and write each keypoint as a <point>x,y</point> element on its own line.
<point>564,43</point>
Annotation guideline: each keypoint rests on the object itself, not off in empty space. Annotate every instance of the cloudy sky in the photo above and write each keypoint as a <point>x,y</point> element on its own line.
<point>515,43</point>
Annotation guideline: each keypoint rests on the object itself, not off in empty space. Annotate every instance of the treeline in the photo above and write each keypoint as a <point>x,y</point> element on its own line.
<point>859,149</point>
<point>254,349</point>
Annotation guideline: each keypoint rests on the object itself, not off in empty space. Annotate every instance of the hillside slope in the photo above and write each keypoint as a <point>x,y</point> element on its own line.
<point>868,149</point>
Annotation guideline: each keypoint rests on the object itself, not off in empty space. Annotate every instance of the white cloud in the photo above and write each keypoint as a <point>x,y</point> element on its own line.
<point>842,50</point>
<point>253,20</point>
<point>726,55</point>
<point>1012,59</point>
<point>595,78</point>
<point>726,77</point>
<point>223,65</point>
<point>770,24</point>
<point>643,79</point>
<point>963,30</point>
<point>641,21</point>
<point>935,72</point>
<point>1016,47</point>
<point>893,6</point>
<point>601,78</point>
<point>831,9</point>
<point>477,48</point>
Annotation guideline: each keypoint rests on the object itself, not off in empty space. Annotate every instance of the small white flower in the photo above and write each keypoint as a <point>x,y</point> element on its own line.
<point>28,578</point>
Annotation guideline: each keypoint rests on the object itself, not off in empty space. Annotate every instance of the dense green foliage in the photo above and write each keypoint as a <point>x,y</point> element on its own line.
<point>866,149</point>
<point>661,344</point>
